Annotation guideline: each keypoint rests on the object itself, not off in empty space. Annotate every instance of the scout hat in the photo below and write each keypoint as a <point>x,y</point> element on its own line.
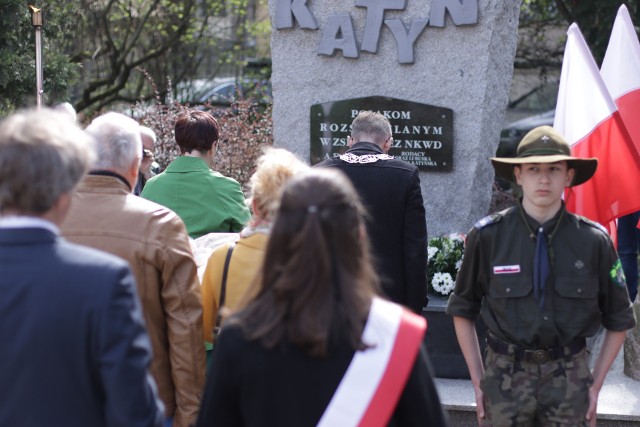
<point>545,145</point>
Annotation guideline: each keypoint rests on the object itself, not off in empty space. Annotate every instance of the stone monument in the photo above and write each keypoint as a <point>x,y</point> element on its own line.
<point>632,346</point>
<point>450,54</point>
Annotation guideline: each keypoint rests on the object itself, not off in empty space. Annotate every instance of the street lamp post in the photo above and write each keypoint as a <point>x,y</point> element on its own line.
<point>36,21</point>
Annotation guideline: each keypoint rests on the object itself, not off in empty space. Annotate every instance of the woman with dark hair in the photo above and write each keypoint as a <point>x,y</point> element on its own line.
<point>316,346</point>
<point>207,201</point>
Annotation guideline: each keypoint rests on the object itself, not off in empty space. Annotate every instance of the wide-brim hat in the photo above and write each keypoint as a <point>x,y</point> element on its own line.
<point>545,145</point>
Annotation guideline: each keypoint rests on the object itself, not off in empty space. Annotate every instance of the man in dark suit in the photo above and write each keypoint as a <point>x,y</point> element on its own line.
<point>390,190</point>
<point>74,350</point>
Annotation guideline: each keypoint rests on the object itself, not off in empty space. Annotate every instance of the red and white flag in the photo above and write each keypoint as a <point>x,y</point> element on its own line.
<point>588,117</point>
<point>621,72</point>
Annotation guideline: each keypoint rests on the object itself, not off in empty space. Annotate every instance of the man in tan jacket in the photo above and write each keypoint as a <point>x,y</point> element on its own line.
<point>106,215</point>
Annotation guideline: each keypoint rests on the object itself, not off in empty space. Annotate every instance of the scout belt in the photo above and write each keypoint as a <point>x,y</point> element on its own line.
<point>542,355</point>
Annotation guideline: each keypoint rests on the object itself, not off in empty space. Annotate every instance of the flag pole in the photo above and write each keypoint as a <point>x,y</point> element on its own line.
<point>36,21</point>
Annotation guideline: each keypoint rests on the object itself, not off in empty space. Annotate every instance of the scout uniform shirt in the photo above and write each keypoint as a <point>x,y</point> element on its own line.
<point>585,287</point>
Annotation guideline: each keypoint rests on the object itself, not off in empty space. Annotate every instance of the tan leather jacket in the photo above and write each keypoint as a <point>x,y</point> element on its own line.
<point>105,215</point>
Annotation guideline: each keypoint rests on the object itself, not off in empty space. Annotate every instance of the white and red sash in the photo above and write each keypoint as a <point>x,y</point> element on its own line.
<point>371,387</point>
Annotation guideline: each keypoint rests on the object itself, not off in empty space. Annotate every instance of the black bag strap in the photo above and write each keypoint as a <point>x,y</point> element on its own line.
<point>223,285</point>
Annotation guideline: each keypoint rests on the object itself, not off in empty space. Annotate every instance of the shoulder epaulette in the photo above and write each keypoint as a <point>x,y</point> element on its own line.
<point>488,220</point>
<point>593,224</point>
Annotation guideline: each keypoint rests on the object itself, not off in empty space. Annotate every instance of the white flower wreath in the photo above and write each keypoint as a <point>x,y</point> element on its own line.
<point>442,283</point>
<point>444,257</point>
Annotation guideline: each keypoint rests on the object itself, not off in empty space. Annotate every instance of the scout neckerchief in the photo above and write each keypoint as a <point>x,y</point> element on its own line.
<point>371,387</point>
<point>543,258</point>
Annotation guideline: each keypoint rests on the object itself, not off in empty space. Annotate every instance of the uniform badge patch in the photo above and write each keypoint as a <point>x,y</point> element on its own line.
<point>617,274</point>
<point>487,220</point>
<point>506,269</point>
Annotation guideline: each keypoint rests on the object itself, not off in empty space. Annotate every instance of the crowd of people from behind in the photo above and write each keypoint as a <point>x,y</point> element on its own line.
<point>312,316</point>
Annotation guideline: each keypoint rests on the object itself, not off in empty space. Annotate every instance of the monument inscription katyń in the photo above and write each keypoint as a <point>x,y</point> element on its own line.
<point>454,55</point>
<point>339,34</point>
<point>422,134</point>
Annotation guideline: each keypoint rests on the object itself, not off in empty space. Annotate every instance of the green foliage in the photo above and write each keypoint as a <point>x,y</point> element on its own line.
<point>247,29</point>
<point>95,51</point>
<point>171,40</point>
<point>538,10</point>
<point>118,38</point>
<point>17,55</point>
<point>594,17</point>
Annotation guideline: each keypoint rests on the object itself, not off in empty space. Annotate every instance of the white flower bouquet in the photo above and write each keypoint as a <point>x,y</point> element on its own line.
<point>444,256</point>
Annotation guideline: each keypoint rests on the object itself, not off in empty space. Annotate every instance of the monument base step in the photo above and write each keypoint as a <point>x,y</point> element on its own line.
<point>467,418</point>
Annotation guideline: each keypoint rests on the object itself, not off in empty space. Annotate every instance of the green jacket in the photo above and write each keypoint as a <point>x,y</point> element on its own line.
<point>206,201</point>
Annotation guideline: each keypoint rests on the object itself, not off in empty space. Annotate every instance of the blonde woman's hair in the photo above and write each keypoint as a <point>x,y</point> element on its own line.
<point>273,169</point>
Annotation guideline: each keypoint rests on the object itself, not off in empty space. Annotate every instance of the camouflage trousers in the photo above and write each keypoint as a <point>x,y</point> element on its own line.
<point>554,393</point>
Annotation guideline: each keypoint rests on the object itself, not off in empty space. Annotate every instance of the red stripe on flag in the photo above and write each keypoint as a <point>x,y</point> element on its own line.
<point>629,109</point>
<point>613,191</point>
<point>405,350</point>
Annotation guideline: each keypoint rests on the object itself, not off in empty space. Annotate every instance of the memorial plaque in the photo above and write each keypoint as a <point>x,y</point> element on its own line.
<point>422,134</point>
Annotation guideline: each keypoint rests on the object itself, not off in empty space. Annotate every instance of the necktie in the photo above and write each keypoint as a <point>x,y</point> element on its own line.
<point>540,267</point>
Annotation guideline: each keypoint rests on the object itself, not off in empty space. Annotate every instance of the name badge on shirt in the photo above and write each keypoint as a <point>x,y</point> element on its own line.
<point>506,269</point>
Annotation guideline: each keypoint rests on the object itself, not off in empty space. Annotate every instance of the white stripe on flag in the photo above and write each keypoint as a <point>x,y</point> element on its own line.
<point>583,99</point>
<point>621,65</point>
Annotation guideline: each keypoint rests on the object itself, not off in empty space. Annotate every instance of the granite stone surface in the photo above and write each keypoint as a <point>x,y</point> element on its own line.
<point>632,346</point>
<point>467,68</point>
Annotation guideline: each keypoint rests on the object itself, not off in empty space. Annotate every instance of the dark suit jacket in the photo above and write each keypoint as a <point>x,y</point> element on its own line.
<point>73,349</point>
<point>390,191</point>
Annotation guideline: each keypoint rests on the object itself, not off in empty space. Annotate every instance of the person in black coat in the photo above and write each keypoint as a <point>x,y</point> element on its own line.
<point>390,191</point>
<point>311,347</point>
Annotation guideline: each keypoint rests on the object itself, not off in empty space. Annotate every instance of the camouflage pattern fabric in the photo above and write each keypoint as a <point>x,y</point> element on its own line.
<point>553,393</point>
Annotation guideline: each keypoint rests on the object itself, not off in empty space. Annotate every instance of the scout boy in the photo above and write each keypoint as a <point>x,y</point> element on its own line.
<point>543,280</point>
